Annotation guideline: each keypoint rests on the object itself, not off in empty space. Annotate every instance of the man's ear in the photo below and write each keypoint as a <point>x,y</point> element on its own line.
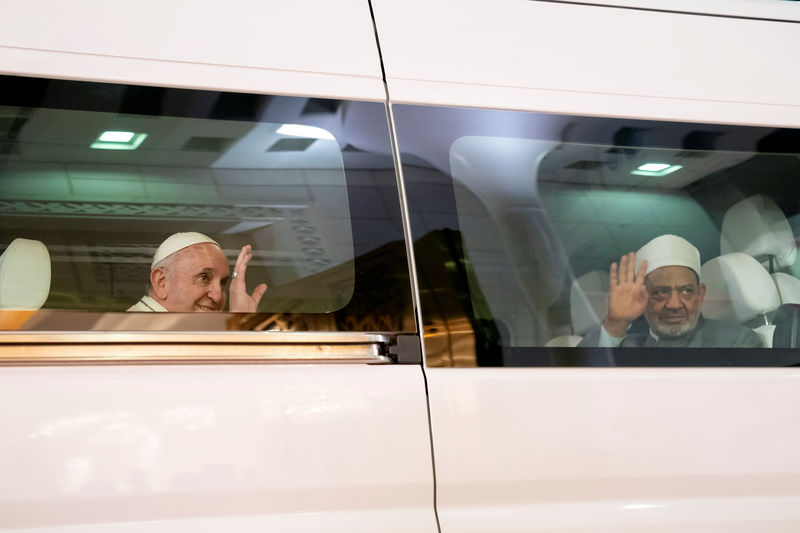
<point>701,291</point>
<point>158,280</point>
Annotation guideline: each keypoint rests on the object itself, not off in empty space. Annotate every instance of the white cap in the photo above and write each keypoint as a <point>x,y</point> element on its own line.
<point>177,242</point>
<point>669,250</point>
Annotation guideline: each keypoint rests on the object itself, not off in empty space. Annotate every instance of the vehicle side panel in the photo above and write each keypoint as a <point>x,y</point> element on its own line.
<point>616,449</point>
<point>590,60</point>
<point>310,48</point>
<point>205,448</point>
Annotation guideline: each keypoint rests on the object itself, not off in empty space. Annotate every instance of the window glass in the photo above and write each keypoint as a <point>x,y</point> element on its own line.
<point>102,175</point>
<point>532,210</point>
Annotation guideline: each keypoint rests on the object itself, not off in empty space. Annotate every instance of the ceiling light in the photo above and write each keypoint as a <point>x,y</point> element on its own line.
<point>656,169</point>
<point>116,136</point>
<point>118,140</point>
<point>301,130</point>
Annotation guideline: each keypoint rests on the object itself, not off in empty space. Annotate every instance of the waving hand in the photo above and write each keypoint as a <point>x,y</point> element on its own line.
<point>241,302</point>
<point>627,295</point>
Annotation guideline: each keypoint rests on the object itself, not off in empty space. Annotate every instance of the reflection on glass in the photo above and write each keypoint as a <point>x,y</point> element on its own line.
<point>545,224</point>
<point>94,177</point>
<point>102,213</point>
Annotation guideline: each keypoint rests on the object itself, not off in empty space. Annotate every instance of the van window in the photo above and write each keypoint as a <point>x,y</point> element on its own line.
<point>530,211</point>
<point>102,174</point>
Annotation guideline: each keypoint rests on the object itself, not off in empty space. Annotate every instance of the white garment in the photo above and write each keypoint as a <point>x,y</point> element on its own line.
<point>147,305</point>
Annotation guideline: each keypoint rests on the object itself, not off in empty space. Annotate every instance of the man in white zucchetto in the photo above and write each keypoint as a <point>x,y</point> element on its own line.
<point>662,282</point>
<point>190,272</point>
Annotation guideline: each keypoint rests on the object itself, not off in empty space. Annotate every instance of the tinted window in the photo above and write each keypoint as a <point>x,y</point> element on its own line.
<point>517,218</point>
<point>101,174</point>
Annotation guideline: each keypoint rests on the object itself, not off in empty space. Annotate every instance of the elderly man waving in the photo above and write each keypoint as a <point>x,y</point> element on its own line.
<point>662,281</point>
<point>190,272</point>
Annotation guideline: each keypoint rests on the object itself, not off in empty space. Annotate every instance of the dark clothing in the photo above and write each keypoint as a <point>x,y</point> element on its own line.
<point>708,334</point>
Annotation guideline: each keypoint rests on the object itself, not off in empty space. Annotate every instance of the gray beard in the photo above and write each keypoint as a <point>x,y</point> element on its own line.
<point>667,331</point>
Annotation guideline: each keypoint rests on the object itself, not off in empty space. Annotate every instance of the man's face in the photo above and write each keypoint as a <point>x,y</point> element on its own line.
<point>196,279</point>
<point>674,301</point>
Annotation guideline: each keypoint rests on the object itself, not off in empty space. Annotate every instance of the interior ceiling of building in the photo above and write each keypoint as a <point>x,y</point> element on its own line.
<point>54,135</point>
<point>613,166</point>
<point>237,179</point>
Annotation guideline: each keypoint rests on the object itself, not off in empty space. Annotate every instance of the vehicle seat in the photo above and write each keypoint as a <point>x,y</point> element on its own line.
<point>739,288</point>
<point>787,326</point>
<point>588,303</point>
<point>24,275</point>
<point>788,287</point>
<point>757,226</point>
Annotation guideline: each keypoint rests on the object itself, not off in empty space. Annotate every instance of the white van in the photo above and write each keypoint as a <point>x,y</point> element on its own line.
<point>434,193</point>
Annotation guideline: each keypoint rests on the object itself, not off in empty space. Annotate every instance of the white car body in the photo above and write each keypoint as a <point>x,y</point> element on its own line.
<point>359,447</point>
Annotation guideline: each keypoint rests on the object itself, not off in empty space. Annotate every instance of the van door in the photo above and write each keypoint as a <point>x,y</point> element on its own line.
<point>260,124</point>
<point>532,427</point>
<point>540,142</point>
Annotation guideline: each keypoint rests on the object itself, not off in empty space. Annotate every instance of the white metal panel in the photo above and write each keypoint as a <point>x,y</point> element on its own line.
<point>311,48</point>
<point>761,9</point>
<point>592,60</point>
<point>616,449</point>
<point>213,448</point>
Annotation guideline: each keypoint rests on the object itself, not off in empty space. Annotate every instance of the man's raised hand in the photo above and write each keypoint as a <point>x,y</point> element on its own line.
<point>241,302</point>
<point>627,294</point>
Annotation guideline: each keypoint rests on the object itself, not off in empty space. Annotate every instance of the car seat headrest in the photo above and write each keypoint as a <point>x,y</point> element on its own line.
<point>738,288</point>
<point>24,275</point>
<point>788,287</point>
<point>757,226</point>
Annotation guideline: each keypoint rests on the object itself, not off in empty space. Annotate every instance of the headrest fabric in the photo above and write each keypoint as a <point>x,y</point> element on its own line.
<point>757,226</point>
<point>24,275</point>
<point>738,288</point>
<point>788,287</point>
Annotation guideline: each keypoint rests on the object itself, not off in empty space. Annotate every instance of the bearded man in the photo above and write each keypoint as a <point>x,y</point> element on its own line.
<point>662,282</point>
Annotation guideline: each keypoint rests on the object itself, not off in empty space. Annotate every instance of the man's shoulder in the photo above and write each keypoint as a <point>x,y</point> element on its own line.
<point>726,333</point>
<point>712,324</point>
<point>146,305</point>
<point>716,324</point>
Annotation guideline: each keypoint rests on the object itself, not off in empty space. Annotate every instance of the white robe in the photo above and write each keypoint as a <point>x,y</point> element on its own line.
<point>147,305</point>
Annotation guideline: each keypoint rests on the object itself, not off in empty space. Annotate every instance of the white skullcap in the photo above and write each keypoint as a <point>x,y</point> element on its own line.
<point>669,250</point>
<point>177,242</point>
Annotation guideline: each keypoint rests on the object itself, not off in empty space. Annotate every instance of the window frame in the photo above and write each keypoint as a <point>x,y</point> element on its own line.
<point>380,307</point>
<point>451,331</point>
